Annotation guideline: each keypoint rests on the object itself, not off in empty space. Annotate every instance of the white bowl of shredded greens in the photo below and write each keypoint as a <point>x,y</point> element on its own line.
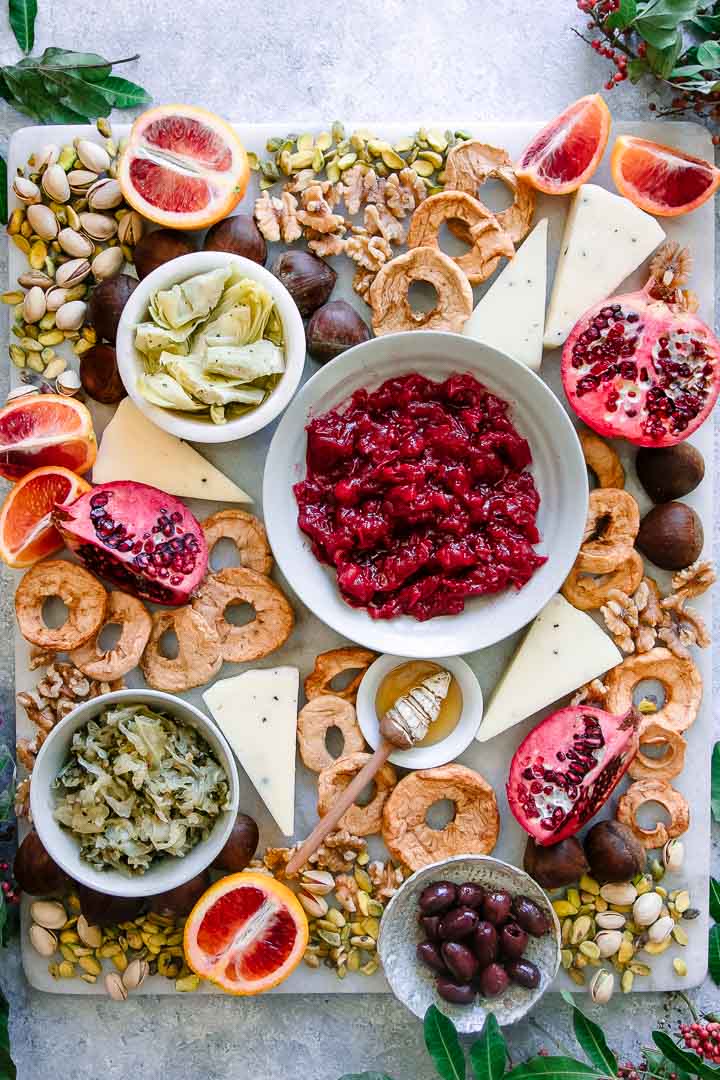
<point>134,793</point>
<point>211,347</point>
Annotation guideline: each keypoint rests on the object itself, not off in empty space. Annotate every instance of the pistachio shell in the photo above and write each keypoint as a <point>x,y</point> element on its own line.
<point>42,221</point>
<point>104,194</point>
<point>35,277</point>
<point>80,180</point>
<point>74,243</point>
<point>608,942</point>
<point>108,263</point>
<point>130,228</point>
<point>114,986</point>
<point>34,305</point>
<point>26,190</point>
<point>673,855</point>
<point>602,986</point>
<point>610,920</point>
<point>94,157</point>
<point>98,226</point>
<point>661,930</point>
<point>55,298</point>
<point>55,183</point>
<point>647,908</point>
<point>71,316</point>
<point>47,156</point>
<point>42,940</point>
<point>72,272</point>
<point>68,383</point>
<point>135,974</point>
<point>49,914</point>
<point>623,892</point>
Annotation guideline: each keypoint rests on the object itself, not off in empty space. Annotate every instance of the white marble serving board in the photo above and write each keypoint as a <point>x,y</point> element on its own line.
<point>243,462</point>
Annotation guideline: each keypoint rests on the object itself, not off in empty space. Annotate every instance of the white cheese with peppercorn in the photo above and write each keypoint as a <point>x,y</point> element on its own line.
<point>133,448</point>
<point>257,713</point>
<point>606,237</point>
<point>563,649</point>
<point>511,315</point>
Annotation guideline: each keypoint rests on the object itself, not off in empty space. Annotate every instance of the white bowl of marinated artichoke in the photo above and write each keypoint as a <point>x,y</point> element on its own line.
<point>134,793</point>
<point>211,347</point>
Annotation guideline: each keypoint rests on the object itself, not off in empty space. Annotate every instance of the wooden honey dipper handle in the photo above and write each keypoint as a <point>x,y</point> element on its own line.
<point>343,802</point>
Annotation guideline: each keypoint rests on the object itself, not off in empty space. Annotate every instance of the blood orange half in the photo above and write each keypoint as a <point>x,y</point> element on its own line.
<point>664,181</point>
<point>183,167</point>
<point>45,429</point>
<point>567,151</point>
<point>246,934</point>
<point>26,530</point>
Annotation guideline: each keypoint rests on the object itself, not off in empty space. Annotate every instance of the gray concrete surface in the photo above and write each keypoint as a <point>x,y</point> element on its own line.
<point>259,61</point>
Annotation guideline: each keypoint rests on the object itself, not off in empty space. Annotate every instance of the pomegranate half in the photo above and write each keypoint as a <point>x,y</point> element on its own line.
<point>643,366</point>
<point>567,768</point>
<point>143,540</point>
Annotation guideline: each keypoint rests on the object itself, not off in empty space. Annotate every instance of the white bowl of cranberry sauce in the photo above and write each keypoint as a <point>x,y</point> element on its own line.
<point>471,935</point>
<point>425,495</point>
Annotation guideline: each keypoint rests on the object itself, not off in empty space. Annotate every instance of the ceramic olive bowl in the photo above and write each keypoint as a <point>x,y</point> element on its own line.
<point>400,934</point>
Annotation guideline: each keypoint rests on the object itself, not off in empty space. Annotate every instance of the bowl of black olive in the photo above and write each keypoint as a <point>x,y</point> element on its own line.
<point>471,935</point>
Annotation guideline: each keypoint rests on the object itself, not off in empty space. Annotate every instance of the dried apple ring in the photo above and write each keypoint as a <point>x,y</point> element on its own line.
<point>108,664</point>
<point>672,761</point>
<point>247,533</point>
<point>81,592</point>
<point>612,524</point>
<point>488,240</point>
<point>198,657</point>
<point>316,719</point>
<point>473,831</point>
<point>589,591</point>
<point>274,618</point>
<point>334,662</point>
<point>388,296</point>
<point>467,168</point>
<point>678,676</point>
<point>658,791</point>
<point>602,459</point>
<point>358,820</point>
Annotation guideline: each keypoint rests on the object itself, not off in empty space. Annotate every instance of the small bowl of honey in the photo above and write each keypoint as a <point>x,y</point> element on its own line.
<point>458,718</point>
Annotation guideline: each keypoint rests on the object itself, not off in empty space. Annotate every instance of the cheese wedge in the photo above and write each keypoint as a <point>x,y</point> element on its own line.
<point>606,237</point>
<point>563,649</point>
<point>511,315</point>
<point>257,713</point>
<point>133,448</point>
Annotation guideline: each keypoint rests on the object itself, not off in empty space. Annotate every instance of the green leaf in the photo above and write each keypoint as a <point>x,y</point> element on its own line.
<point>443,1045</point>
<point>78,94</point>
<point>708,54</point>
<point>715,782</point>
<point>95,67</point>
<point>686,69</point>
<point>715,899</point>
<point>3,221</point>
<point>624,15</point>
<point>659,1068</point>
<point>592,1039</point>
<point>22,15</point>
<point>7,1068</point>
<point>710,24</point>
<point>662,61</point>
<point>489,1054</point>
<point>556,1068</point>
<point>684,1058</point>
<point>714,954</point>
<point>659,20</point>
<point>366,1076</point>
<point>636,69</point>
<point>125,94</point>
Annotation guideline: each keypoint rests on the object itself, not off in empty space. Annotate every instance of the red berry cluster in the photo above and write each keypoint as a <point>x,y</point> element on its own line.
<point>628,1071</point>
<point>704,1039</point>
<point>10,890</point>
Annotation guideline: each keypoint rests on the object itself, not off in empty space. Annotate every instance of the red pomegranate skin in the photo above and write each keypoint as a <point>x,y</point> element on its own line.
<point>642,367</point>
<point>141,539</point>
<point>567,767</point>
<point>420,495</point>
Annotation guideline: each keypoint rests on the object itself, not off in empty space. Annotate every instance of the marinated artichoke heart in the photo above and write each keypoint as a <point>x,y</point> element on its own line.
<point>407,722</point>
<point>139,785</point>
<point>213,345</point>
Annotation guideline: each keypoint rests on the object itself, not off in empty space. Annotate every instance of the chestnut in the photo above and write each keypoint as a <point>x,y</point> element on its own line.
<point>106,304</point>
<point>557,865</point>
<point>614,852</point>
<point>156,248</point>
<point>334,328</point>
<point>240,236</point>
<point>669,472</point>
<point>35,872</point>
<point>103,910</point>
<point>671,536</point>
<point>307,277</point>
<point>182,899</point>
<point>240,846</point>
<point>99,375</point>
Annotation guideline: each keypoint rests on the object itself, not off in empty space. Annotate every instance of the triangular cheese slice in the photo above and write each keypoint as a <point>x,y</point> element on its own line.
<point>511,315</point>
<point>133,448</point>
<point>563,649</point>
<point>257,713</point>
<point>606,237</point>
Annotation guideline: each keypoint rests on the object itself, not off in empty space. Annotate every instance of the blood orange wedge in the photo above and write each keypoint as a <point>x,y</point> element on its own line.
<point>567,151</point>
<point>26,530</point>
<point>183,167</point>
<point>246,934</point>
<point>664,181</point>
<point>45,429</point>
